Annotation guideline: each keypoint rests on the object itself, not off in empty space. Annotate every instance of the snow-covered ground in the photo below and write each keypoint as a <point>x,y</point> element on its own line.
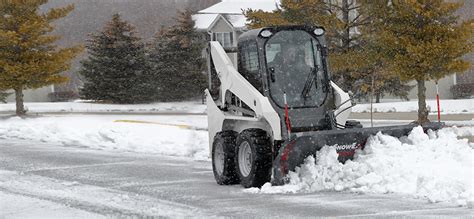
<point>461,106</point>
<point>18,206</point>
<point>437,166</point>
<point>183,136</point>
<point>54,190</point>
<point>87,107</point>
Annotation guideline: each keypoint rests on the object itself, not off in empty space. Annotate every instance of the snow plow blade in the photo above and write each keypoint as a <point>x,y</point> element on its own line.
<point>347,141</point>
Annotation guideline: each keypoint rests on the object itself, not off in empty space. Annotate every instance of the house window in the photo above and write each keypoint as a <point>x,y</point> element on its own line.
<point>224,38</point>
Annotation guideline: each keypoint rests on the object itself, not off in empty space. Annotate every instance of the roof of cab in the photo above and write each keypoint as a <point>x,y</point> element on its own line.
<point>253,34</point>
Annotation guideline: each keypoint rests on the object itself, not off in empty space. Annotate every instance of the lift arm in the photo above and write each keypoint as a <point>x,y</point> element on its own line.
<point>233,81</point>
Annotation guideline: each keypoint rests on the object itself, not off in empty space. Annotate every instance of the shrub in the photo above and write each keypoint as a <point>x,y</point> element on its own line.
<point>462,90</point>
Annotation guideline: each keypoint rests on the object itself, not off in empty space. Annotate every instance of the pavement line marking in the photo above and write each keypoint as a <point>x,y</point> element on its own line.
<point>159,123</point>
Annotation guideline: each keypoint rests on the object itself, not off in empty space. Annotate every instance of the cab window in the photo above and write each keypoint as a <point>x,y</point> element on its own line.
<point>249,63</point>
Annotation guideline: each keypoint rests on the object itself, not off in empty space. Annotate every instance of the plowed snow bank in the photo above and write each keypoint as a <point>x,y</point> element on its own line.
<point>437,166</point>
<point>101,132</point>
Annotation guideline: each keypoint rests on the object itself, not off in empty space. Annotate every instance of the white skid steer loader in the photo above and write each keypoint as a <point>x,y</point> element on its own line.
<point>279,107</point>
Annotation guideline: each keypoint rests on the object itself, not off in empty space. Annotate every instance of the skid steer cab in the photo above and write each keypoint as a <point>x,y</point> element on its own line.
<point>278,107</point>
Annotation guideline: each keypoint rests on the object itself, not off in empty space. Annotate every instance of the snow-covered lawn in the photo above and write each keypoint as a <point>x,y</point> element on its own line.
<point>437,166</point>
<point>460,106</point>
<point>85,107</point>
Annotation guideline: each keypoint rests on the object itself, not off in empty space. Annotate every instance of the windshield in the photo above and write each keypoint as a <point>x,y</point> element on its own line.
<point>294,67</point>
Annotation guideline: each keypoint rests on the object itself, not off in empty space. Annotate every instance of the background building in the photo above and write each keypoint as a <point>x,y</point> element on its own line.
<point>224,21</point>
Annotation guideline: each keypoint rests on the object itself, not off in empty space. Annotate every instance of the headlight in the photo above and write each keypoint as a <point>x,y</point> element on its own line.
<point>319,31</point>
<point>266,33</point>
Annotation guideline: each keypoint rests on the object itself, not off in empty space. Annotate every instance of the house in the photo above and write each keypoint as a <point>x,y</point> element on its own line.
<point>224,22</point>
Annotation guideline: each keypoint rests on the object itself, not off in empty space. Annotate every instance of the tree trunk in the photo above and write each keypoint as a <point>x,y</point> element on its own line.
<point>377,97</point>
<point>346,37</point>
<point>347,30</point>
<point>422,110</point>
<point>20,108</point>
<point>372,100</point>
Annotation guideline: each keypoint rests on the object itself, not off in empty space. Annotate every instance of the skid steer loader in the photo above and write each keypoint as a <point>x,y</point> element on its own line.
<point>279,107</point>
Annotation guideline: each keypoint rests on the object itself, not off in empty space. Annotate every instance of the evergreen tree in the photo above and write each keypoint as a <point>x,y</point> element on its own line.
<point>28,56</point>
<point>3,96</point>
<point>116,70</point>
<point>176,57</point>
<point>425,41</point>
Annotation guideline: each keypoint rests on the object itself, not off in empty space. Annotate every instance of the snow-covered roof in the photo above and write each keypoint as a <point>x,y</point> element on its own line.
<point>236,6</point>
<point>237,20</point>
<point>232,12</point>
<point>203,21</point>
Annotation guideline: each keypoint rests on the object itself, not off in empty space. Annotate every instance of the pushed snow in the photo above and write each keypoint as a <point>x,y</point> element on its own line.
<point>145,134</point>
<point>437,166</point>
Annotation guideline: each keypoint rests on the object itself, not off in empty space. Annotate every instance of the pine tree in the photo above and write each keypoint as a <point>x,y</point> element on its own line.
<point>28,57</point>
<point>116,70</point>
<point>3,96</point>
<point>425,41</point>
<point>348,30</point>
<point>176,56</point>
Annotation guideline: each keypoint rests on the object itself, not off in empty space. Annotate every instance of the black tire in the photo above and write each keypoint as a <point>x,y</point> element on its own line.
<point>259,172</point>
<point>226,174</point>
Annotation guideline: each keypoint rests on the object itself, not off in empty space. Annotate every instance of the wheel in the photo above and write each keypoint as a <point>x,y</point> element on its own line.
<point>223,152</point>
<point>253,158</point>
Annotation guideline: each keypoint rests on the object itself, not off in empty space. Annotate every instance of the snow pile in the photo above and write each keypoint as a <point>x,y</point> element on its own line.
<point>103,133</point>
<point>437,166</point>
<point>461,106</point>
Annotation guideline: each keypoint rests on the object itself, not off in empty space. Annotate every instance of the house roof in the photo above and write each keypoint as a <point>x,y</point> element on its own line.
<point>204,21</point>
<point>231,11</point>
<point>237,20</point>
<point>236,6</point>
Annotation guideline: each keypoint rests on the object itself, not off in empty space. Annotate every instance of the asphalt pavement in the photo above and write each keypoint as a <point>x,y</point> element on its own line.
<point>120,184</point>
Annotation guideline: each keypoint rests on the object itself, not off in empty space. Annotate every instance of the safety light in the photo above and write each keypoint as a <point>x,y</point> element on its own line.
<point>266,33</point>
<point>319,31</point>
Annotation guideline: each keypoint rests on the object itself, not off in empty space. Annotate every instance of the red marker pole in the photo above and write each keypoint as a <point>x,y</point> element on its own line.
<point>437,102</point>
<point>287,116</point>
